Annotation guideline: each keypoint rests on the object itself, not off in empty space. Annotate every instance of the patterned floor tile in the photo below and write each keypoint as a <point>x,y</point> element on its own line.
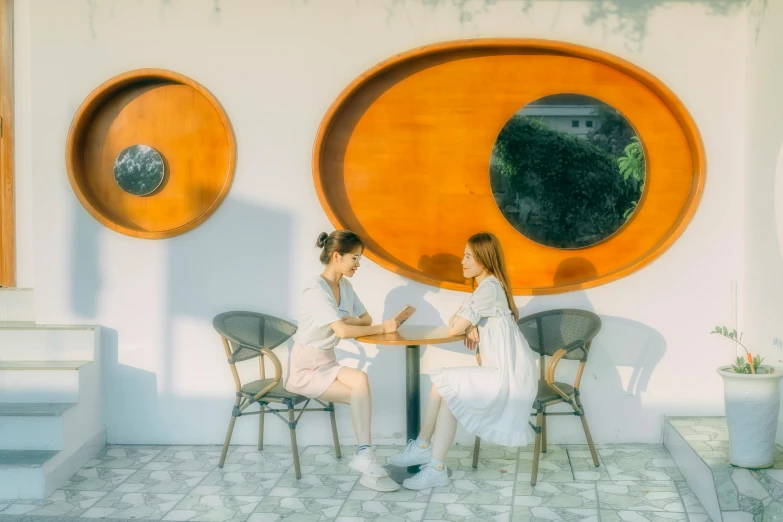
<point>553,466</point>
<point>276,509</point>
<point>386,510</point>
<point>547,514</point>
<point>689,500</point>
<point>125,457</point>
<point>642,516</point>
<point>236,483</point>
<point>660,496</point>
<point>468,512</point>
<point>483,492</point>
<point>583,465</point>
<point>321,460</point>
<point>556,495</point>
<point>214,508</point>
<point>97,479</point>
<point>149,506</point>
<point>639,462</point>
<point>60,503</point>
<point>162,481</point>
<point>315,486</point>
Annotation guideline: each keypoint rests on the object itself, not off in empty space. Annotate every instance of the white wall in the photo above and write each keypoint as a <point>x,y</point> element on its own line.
<point>763,295</point>
<point>276,66</point>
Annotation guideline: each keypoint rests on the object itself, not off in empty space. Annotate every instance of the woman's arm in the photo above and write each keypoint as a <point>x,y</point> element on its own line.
<point>363,320</point>
<point>459,326</point>
<point>351,331</point>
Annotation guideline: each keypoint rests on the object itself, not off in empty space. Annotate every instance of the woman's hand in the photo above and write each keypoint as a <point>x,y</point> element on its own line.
<point>390,325</point>
<point>472,338</point>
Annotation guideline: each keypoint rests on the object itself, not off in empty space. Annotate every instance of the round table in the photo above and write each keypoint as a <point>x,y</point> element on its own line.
<point>412,337</point>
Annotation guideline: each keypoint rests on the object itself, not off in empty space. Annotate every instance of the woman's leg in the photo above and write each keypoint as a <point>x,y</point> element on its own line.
<point>445,429</point>
<point>360,400</point>
<point>337,392</point>
<point>430,415</point>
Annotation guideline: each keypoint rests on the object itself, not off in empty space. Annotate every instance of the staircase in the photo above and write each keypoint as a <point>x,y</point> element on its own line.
<point>51,423</point>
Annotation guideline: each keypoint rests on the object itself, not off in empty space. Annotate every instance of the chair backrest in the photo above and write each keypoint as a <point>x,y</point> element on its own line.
<point>546,332</point>
<point>248,332</point>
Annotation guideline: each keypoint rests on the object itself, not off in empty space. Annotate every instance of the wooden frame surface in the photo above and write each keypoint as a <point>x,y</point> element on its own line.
<point>7,221</point>
<point>402,159</point>
<point>171,113</point>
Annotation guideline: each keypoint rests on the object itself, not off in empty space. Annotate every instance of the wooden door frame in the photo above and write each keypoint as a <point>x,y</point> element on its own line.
<point>7,244</point>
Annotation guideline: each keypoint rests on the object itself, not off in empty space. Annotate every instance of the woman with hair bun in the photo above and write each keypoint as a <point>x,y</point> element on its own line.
<point>331,311</point>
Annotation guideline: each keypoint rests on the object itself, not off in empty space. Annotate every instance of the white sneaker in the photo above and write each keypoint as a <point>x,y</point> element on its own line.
<point>428,477</point>
<point>412,455</point>
<point>366,463</point>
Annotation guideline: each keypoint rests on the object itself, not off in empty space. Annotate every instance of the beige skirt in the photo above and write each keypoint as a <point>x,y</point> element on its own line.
<point>310,371</point>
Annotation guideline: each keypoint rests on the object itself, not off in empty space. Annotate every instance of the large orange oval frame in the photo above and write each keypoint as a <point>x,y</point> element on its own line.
<point>402,158</point>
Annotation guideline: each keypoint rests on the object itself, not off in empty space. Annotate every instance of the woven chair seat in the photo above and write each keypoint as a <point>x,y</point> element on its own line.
<point>276,394</point>
<point>547,394</point>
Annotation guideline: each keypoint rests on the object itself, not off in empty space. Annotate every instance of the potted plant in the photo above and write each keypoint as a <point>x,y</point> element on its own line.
<point>752,396</point>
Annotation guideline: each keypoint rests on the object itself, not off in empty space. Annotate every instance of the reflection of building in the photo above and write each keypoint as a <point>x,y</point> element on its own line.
<point>576,119</point>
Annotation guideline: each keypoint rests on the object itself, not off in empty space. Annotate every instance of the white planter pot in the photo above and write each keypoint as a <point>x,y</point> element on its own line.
<point>752,407</point>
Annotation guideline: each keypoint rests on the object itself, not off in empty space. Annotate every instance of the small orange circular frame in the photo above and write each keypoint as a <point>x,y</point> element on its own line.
<point>170,113</point>
<point>402,158</point>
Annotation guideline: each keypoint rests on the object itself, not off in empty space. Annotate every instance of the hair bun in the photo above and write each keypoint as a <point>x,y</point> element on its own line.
<point>321,241</point>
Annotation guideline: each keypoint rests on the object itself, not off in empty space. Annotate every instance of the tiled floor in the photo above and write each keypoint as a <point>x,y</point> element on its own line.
<point>635,483</point>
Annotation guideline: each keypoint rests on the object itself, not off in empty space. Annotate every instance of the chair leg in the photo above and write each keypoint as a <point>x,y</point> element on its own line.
<point>543,432</point>
<point>587,431</point>
<point>294,448</point>
<point>537,448</point>
<point>476,448</point>
<point>261,427</point>
<point>234,415</point>
<point>337,451</point>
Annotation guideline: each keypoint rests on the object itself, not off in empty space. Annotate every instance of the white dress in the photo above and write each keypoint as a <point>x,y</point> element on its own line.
<point>493,401</point>
<point>312,365</point>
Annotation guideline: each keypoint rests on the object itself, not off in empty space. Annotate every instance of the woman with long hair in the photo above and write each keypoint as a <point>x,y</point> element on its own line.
<point>491,401</point>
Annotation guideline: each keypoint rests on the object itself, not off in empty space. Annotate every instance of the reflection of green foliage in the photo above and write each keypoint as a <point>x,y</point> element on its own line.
<point>632,166</point>
<point>632,162</point>
<point>571,189</point>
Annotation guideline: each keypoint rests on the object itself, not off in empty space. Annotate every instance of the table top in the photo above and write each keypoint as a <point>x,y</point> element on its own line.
<point>413,335</point>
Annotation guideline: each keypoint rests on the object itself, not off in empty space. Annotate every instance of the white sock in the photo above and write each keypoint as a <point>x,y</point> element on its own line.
<point>422,443</point>
<point>438,465</point>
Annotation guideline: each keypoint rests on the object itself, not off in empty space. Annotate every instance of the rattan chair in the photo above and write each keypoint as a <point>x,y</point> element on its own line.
<point>559,334</point>
<point>247,335</point>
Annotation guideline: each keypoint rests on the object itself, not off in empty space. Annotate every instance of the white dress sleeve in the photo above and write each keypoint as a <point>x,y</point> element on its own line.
<point>481,304</point>
<point>322,309</point>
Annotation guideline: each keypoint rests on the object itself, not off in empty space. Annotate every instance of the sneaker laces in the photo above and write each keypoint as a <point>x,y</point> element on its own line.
<point>369,455</point>
<point>424,472</point>
<point>408,448</point>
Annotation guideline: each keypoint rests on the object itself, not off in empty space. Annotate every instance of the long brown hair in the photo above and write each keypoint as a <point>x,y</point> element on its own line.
<point>489,254</point>
<point>340,241</point>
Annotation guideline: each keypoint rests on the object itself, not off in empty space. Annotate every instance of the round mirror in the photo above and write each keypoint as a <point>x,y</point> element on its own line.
<point>139,170</point>
<point>567,171</point>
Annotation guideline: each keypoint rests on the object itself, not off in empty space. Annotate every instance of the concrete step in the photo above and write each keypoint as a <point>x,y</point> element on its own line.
<point>17,305</point>
<point>26,426</point>
<point>40,381</point>
<point>22,473</point>
<point>33,342</point>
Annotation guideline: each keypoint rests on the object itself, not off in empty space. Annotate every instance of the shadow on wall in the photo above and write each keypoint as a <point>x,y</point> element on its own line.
<point>620,365</point>
<point>239,259</point>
